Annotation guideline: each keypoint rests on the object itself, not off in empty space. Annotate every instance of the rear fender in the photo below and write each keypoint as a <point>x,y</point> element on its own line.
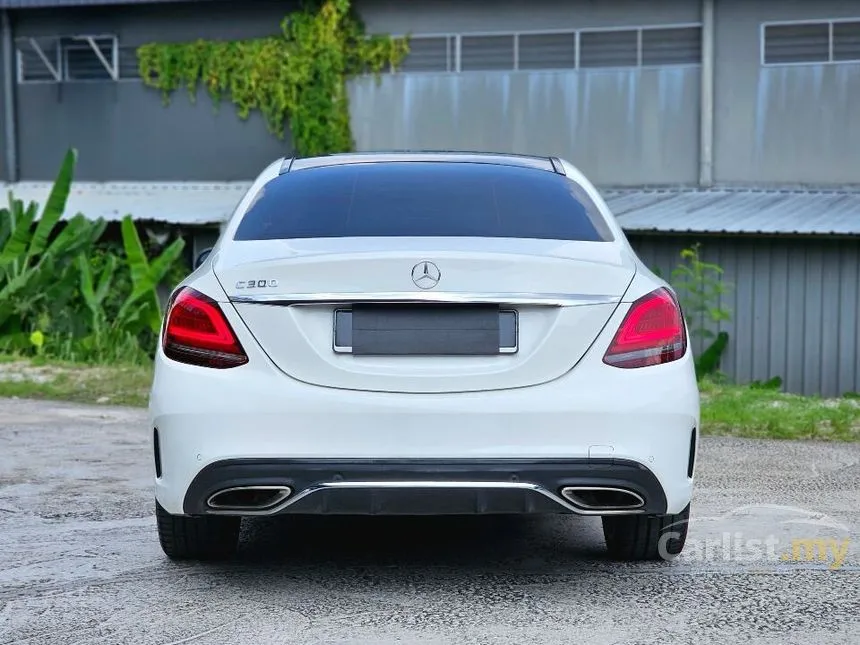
<point>644,281</point>
<point>205,282</point>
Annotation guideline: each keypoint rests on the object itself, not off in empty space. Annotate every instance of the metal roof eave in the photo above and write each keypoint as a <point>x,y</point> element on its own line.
<point>738,211</point>
<point>724,211</point>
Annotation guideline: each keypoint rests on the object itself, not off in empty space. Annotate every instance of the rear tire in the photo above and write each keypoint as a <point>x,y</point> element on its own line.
<point>646,537</point>
<point>197,538</point>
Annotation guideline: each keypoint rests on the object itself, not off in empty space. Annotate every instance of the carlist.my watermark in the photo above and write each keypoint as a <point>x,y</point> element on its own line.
<point>741,546</point>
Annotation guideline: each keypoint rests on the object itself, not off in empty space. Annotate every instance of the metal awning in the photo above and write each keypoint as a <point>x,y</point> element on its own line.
<point>738,210</point>
<point>715,211</point>
<point>184,203</point>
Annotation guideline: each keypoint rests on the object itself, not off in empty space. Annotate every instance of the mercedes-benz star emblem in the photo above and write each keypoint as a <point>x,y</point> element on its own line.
<point>426,275</point>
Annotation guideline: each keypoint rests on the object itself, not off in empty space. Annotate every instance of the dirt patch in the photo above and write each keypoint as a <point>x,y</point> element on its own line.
<point>21,372</point>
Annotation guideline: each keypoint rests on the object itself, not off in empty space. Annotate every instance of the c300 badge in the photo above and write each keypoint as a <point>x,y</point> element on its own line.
<point>256,284</point>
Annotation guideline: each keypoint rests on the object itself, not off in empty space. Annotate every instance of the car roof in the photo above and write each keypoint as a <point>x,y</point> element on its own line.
<point>550,164</point>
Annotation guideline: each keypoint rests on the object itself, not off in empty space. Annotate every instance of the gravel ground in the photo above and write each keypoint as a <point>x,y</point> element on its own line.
<point>80,561</point>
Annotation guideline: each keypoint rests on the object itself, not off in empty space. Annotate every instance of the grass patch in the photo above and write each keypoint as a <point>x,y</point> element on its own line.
<point>108,385</point>
<point>728,410</point>
<point>742,411</point>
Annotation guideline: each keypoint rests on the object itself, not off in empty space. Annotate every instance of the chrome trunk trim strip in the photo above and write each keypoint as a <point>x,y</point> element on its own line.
<point>446,297</point>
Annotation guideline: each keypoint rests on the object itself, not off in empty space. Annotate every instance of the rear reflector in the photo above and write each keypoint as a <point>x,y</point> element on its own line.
<point>156,449</point>
<point>651,333</point>
<point>197,333</point>
<point>691,461</point>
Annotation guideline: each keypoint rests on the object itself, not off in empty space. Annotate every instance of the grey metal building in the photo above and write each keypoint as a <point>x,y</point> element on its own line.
<point>728,122</point>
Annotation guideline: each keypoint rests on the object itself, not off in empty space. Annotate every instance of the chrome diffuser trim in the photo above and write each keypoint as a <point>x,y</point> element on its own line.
<point>424,485</point>
<point>447,297</point>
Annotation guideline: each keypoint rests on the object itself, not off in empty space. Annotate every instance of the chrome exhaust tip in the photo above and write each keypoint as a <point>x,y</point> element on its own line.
<point>248,498</point>
<point>599,498</point>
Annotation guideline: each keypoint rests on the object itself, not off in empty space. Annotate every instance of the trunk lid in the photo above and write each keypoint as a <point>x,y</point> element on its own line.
<point>531,277</point>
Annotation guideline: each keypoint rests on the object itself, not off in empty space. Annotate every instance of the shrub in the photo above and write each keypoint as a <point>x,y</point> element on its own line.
<point>36,276</point>
<point>700,288</point>
<point>66,294</point>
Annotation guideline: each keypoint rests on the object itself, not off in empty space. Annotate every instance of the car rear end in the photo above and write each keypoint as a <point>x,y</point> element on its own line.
<point>424,336</point>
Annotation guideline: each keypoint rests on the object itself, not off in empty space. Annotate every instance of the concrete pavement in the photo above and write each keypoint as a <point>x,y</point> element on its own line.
<point>80,561</point>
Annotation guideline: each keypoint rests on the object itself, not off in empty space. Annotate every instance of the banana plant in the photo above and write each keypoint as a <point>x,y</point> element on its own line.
<point>108,336</point>
<point>145,276</point>
<point>34,263</point>
<point>94,291</point>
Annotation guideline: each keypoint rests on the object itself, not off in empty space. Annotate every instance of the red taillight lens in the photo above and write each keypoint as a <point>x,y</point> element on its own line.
<point>651,333</point>
<point>196,332</point>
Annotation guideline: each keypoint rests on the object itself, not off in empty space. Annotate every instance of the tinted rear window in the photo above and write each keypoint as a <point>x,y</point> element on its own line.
<point>423,199</point>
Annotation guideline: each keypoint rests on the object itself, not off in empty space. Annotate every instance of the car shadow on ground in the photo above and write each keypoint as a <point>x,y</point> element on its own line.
<point>464,541</point>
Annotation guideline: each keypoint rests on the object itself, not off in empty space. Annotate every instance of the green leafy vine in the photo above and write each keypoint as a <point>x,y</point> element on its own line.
<point>297,77</point>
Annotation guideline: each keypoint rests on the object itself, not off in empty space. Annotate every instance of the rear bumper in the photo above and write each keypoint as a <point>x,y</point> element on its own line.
<point>427,486</point>
<point>255,414</point>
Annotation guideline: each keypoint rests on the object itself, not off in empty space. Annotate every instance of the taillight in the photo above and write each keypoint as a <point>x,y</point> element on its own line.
<point>196,332</point>
<point>651,333</point>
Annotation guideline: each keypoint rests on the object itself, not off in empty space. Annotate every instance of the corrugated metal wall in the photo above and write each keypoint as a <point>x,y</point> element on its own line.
<point>795,306</point>
<point>621,124</point>
<point>621,127</point>
<point>121,129</point>
<point>784,123</point>
<point>794,123</point>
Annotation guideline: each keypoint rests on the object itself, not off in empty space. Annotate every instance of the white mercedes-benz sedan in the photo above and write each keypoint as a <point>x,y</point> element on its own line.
<point>423,333</point>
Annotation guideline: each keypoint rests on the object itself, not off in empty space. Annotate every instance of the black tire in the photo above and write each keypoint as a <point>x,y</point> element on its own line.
<point>646,537</point>
<point>197,538</point>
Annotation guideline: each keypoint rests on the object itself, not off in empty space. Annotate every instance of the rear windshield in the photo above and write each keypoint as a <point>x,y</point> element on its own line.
<point>423,199</point>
